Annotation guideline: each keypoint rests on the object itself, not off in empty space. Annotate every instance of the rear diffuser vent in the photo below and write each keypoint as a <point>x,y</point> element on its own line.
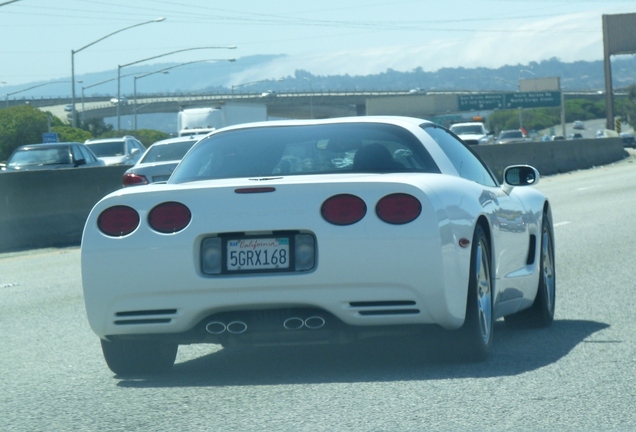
<point>157,316</point>
<point>386,307</point>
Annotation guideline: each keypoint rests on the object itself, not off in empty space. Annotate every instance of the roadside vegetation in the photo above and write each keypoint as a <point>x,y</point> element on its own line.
<point>575,109</point>
<point>25,124</point>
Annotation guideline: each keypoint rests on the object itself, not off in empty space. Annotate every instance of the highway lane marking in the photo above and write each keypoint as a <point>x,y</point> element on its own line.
<point>561,223</point>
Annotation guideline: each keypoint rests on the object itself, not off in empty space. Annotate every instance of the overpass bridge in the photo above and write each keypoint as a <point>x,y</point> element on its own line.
<point>298,105</point>
<point>285,105</point>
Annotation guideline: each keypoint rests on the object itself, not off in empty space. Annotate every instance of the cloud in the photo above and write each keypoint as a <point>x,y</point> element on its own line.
<point>570,38</point>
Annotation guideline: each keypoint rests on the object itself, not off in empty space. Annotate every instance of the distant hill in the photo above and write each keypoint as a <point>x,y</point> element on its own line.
<point>219,77</point>
<point>574,76</point>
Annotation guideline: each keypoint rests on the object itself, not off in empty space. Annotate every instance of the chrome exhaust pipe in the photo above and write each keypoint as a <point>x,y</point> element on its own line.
<point>314,322</point>
<point>237,327</point>
<point>293,323</point>
<point>215,327</point>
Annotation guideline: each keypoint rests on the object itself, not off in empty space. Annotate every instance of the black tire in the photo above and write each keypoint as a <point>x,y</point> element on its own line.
<point>133,357</point>
<point>541,313</point>
<point>476,334</point>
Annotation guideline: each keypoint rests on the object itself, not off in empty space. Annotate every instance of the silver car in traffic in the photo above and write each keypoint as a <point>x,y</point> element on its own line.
<point>158,162</point>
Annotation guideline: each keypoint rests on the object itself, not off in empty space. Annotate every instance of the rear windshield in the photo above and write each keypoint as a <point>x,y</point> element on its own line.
<point>511,134</point>
<point>40,156</point>
<point>305,150</point>
<point>109,148</point>
<point>167,152</point>
<point>467,129</point>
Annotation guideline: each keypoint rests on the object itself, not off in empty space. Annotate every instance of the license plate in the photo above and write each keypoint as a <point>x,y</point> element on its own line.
<point>258,254</point>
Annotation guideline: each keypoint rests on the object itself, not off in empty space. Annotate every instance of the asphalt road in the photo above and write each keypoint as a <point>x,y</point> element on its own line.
<point>580,374</point>
<point>591,126</point>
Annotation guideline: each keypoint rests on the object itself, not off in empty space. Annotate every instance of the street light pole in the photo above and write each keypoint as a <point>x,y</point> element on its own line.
<point>562,109</point>
<point>119,67</point>
<point>163,71</point>
<point>311,97</point>
<point>135,94</point>
<point>93,85</point>
<point>73,52</point>
<point>252,82</point>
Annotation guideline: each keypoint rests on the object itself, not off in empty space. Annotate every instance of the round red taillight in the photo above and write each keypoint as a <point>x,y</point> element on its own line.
<point>134,180</point>
<point>343,209</point>
<point>169,217</point>
<point>398,208</point>
<point>118,221</point>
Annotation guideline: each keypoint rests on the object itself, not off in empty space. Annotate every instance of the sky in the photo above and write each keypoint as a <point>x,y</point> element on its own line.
<point>323,37</point>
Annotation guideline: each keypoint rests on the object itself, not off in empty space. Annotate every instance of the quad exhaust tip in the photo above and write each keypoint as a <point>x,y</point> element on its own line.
<point>296,323</point>
<point>238,327</point>
<point>215,327</point>
<point>234,327</point>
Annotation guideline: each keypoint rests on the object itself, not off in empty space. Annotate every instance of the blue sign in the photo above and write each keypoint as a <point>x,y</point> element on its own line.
<point>50,137</point>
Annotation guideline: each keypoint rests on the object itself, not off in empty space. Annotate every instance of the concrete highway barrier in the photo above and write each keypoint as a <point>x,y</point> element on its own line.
<point>49,208</point>
<point>553,157</point>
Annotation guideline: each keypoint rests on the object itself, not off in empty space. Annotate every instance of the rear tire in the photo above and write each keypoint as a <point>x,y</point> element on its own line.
<point>541,313</point>
<point>133,357</point>
<point>476,334</point>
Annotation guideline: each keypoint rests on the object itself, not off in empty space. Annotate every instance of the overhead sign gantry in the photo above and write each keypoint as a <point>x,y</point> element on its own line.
<point>619,37</point>
<point>515,100</point>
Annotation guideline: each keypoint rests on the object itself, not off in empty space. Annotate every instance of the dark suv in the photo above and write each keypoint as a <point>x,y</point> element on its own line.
<point>51,156</point>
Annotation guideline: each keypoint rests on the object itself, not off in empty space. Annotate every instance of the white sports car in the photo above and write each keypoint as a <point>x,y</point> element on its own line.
<point>317,231</point>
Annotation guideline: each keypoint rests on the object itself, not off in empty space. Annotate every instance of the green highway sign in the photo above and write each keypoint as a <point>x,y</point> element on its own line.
<point>533,99</point>
<point>486,101</point>
<point>492,101</point>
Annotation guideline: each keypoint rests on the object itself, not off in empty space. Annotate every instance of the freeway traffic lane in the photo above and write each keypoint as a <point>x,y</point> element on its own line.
<point>577,375</point>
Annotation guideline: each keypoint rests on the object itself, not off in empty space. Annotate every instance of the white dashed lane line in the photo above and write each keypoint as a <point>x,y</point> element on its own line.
<point>586,188</point>
<point>558,224</point>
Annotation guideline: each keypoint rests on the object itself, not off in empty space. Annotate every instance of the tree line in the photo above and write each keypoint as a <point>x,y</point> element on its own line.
<point>575,109</point>
<point>25,124</point>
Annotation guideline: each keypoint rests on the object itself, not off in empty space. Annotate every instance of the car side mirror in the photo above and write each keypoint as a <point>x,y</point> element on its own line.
<point>79,162</point>
<point>134,151</point>
<point>520,175</point>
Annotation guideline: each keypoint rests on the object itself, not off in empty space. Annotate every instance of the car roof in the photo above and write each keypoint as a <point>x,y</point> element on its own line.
<point>40,145</point>
<point>178,140</point>
<point>467,123</point>
<point>98,140</point>
<point>396,120</point>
